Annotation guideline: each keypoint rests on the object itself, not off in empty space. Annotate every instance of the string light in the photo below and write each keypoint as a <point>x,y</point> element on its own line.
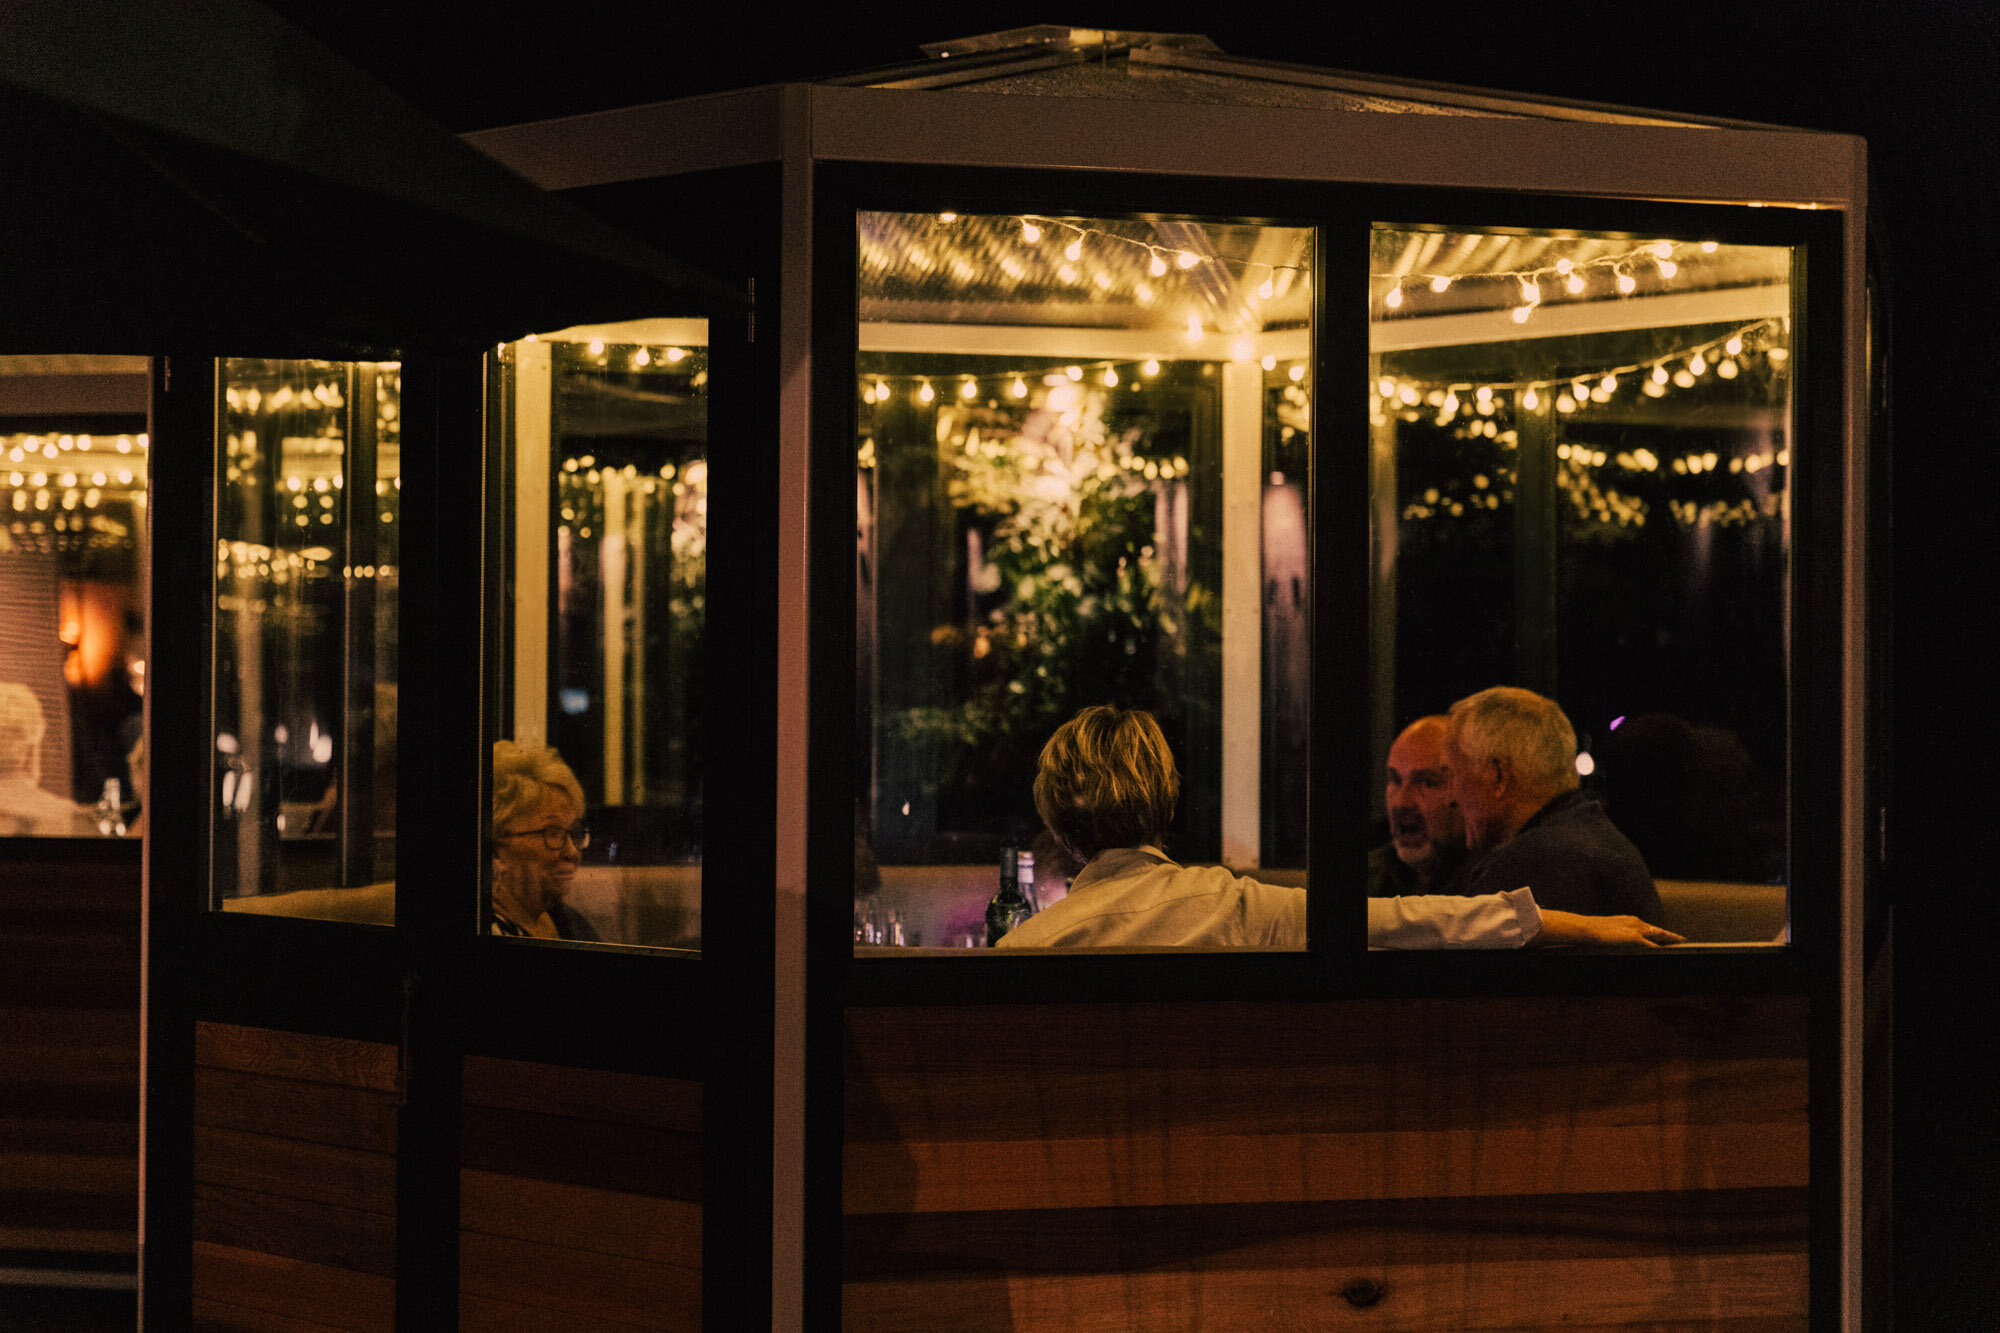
<point>927,393</point>
<point>1570,272</point>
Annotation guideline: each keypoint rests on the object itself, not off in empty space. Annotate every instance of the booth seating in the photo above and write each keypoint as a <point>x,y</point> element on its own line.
<point>939,905</point>
<point>652,905</point>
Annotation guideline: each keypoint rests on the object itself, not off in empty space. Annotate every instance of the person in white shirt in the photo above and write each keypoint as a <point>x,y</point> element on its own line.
<point>1106,787</point>
<point>25,807</point>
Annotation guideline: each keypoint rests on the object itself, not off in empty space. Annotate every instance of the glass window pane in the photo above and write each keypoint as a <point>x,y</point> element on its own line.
<point>600,436</point>
<point>1581,456</point>
<point>1081,481</point>
<point>308,481</point>
<point>73,451</point>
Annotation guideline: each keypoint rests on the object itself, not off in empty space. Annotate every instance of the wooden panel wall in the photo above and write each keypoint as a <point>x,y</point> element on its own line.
<point>69,1062</point>
<point>295,1181</point>
<point>580,1200</point>
<point>1491,1164</point>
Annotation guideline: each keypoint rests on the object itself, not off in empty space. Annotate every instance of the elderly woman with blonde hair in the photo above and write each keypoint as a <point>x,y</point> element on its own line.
<point>538,842</point>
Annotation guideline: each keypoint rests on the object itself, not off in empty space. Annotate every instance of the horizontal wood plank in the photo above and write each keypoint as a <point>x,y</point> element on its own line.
<point>584,1094</point>
<point>662,1231</point>
<point>291,1168</point>
<point>220,1317</point>
<point>627,1158</point>
<point>70,1172</point>
<point>294,1289</point>
<point>594,1286</point>
<point>485,1314</point>
<point>287,1108</point>
<point>1713,1291</point>
<point>1155,1171</point>
<point>1360,1234</point>
<point>73,1240</point>
<point>320,1233</point>
<point>296,1055</point>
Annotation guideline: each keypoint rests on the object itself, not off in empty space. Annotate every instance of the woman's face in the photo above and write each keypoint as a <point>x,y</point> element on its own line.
<point>525,870</point>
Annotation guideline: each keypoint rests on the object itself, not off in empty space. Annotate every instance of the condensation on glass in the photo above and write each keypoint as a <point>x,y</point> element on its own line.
<point>1581,456</point>
<point>307,504</point>
<point>598,438</point>
<point>1081,480</point>
<point>73,451</point>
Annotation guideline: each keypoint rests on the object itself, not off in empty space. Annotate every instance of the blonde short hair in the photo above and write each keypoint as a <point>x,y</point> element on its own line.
<point>521,773</point>
<point>1107,779</point>
<point>1527,731</point>
<point>21,727</point>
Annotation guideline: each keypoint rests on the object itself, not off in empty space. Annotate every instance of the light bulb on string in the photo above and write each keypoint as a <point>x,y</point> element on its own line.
<point>1110,377</point>
<point>1664,250</point>
<point>1708,247</point>
<point>1074,250</point>
<point>1030,232</point>
<point>1522,313</point>
<point>1386,387</point>
<point>1531,291</point>
<point>1573,284</point>
<point>1158,268</point>
<point>1531,400</point>
<point>1151,367</point>
<point>969,390</point>
<point>1668,268</point>
<point>1394,300</point>
<point>1019,388</point>
<point>1683,379</point>
<point>1270,361</point>
<point>1659,375</point>
<point>1075,374</point>
<point>1187,259</point>
<point>1440,283</point>
<point>1144,293</point>
<point>1727,369</point>
<point>1565,403</point>
<point>1563,266</point>
<point>1734,345</point>
<point>1698,364</point>
<point>1627,284</point>
<point>1297,373</point>
<point>1609,384</point>
<point>947,217</point>
<point>927,394</point>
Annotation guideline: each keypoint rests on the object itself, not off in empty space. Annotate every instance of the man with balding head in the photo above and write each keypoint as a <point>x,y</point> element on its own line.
<point>1512,755</point>
<point>1426,848</point>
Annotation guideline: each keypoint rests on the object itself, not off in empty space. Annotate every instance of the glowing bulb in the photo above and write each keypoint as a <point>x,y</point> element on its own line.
<point>1668,268</point>
<point>1733,346</point>
<point>1030,232</point>
<point>1564,266</point>
<point>1068,273</point>
<point>1726,369</point>
<point>1143,292</point>
<point>1708,247</point>
<point>1698,364</point>
<point>947,217</point>
<point>1386,387</point>
<point>1683,379</point>
<point>1187,259</point>
<point>1394,300</point>
<point>1407,394</point>
<point>1151,367</point>
<point>1019,388</point>
<point>1573,284</point>
<point>1265,290</point>
<point>1627,284</point>
<point>1450,403</point>
<point>1075,374</point>
<point>1565,403</point>
<point>1158,267</point>
<point>1297,372</point>
<point>597,347</point>
<point>677,354</point>
<point>1585,765</point>
<point>1664,250</point>
<point>1776,355</point>
<point>1708,462</point>
<point>1531,400</point>
<point>1609,383</point>
<point>642,357</point>
<point>1269,362</point>
<point>1110,378</point>
<point>1074,250</point>
<point>1531,291</point>
<point>1440,283</point>
<point>1659,374</point>
<point>1653,389</point>
<point>969,390</point>
<point>1522,313</point>
<point>1194,328</point>
<point>881,391</point>
<point>927,394</point>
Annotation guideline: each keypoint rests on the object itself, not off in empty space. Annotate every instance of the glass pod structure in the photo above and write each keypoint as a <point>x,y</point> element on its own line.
<point>1435,493</point>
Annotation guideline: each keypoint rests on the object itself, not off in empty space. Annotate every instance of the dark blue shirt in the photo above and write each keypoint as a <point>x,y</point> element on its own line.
<point>1575,859</point>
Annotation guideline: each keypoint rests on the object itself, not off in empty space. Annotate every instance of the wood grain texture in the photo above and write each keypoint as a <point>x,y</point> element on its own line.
<point>293,1168</point>
<point>661,1231</point>
<point>322,1112</point>
<point>565,1281</point>
<point>1629,1163</point>
<point>296,1229</point>
<point>293,1289</point>
<point>584,1094</point>
<point>485,1314</point>
<point>296,1055</point>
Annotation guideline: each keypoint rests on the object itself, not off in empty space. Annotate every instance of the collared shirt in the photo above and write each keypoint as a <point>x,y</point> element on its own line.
<point>1139,896</point>
<point>1575,859</point>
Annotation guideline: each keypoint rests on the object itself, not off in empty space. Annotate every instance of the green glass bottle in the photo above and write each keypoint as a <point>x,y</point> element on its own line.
<point>1009,907</point>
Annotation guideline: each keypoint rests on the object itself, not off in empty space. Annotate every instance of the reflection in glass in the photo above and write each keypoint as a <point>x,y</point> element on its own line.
<point>600,437</point>
<point>1581,459</point>
<point>1080,480</point>
<point>308,494</point>
<point>73,453</point>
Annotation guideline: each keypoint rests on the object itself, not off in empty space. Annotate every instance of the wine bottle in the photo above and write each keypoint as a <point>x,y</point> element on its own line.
<point>1008,908</point>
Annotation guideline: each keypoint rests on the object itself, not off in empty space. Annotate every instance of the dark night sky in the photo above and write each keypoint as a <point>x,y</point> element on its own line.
<point>1917,78</point>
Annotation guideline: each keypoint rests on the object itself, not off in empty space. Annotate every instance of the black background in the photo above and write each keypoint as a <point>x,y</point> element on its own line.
<point>1916,78</point>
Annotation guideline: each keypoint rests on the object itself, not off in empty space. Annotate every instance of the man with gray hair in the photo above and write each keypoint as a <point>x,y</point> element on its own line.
<point>1512,755</point>
<point>24,807</point>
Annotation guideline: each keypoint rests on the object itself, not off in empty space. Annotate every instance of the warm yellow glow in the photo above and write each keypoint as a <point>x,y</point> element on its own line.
<point>1776,355</point>
<point>1668,268</point>
<point>1726,369</point>
<point>1158,267</point>
<point>1030,232</point>
<point>1573,284</point>
<point>1627,284</point>
<point>1270,361</point>
<point>1187,259</point>
<point>1151,367</point>
<point>1394,300</point>
<point>947,217</point>
<point>1242,349</point>
<point>1708,247</point>
<point>1110,378</point>
<point>1386,387</point>
<point>1265,289</point>
<point>1698,364</point>
<point>1297,372</point>
<point>1733,346</point>
<point>1531,400</point>
<point>1565,403</point>
<point>597,347</point>
<point>677,354</point>
<point>1531,291</point>
<point>1143,292</point>
<point>642,357</point>
<point>1193,328</point>
<point>1659,374</point>
<point>1075,374</point>
<point>1522,313</point>
<point>927,394</point>
<point>969,390</point>
<point>1074,250</point>
<point>1664,250</point>
<point>1609,383</point>
<point>1019,388</point>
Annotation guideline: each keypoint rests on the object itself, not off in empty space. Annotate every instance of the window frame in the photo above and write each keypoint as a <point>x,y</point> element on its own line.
<point>1341,791</point>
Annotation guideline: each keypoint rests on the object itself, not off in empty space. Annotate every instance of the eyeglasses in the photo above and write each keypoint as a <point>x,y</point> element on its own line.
<point>552,836</point>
